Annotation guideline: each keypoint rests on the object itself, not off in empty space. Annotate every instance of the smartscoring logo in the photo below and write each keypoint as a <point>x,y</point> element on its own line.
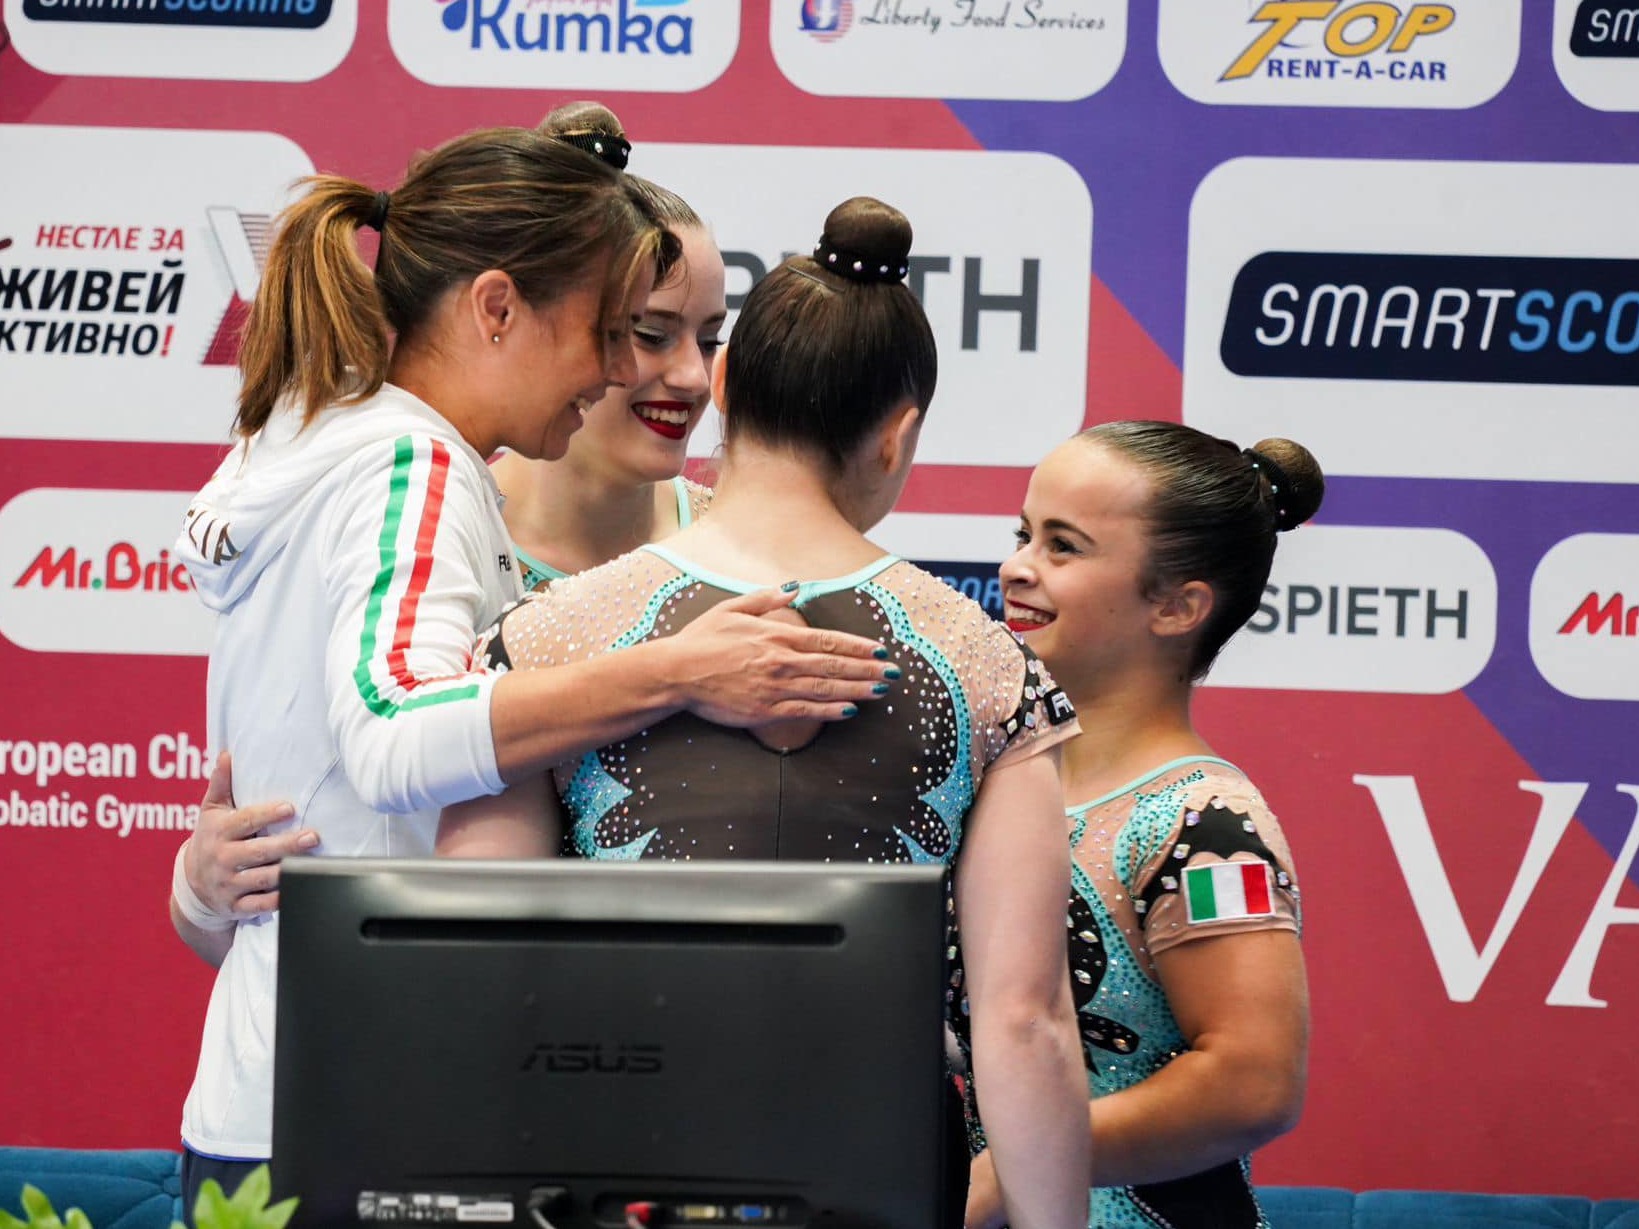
<point>1605,31</point>
<point>272,14</point>
<point>1473,319</point>
<point>604,27</point>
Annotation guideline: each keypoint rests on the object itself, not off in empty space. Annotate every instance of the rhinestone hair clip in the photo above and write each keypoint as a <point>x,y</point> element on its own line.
<point>1279,486</point>
<point>857,268</point>
<point>602,145</point>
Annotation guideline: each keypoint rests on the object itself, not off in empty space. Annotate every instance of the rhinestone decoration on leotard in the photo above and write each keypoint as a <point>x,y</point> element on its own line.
<point>892,785</point>
<point>1122,842</point>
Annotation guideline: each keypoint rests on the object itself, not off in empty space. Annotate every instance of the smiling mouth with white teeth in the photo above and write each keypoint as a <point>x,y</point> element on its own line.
<point>665,418</point>
<point>1026,618</point>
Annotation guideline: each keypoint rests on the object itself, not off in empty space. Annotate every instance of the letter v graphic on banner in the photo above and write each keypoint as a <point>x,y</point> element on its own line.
<point>1573,988</point>
<point>1462,964</point>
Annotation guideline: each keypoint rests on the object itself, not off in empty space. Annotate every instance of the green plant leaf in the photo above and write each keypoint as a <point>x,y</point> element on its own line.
<point>8,1221</point>
<point>211,1210</point>
<point>253,1192</point>
<point>279,1214</point>
<point>41,1215</point>
<point>78,1219</point>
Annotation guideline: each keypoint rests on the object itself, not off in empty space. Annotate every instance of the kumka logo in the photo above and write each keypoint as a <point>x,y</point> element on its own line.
<point>1470,319</point>
<point>264,14</point>
<point>1349,33</point>
<point>599,27</point>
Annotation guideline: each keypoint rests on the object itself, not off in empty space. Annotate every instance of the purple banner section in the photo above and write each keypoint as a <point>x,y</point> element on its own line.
<point>1143,147</point>
<point>1516,523</point>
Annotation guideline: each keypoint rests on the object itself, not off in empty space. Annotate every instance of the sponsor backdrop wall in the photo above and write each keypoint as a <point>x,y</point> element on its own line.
<point>1399,232</point>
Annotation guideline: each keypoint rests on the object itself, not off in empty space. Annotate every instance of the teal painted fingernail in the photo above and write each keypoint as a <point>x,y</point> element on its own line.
<point>880,654</point>
<point>892,672</point>
<point>849,710</point>
<point>791,586</point>
<point>881,689</point>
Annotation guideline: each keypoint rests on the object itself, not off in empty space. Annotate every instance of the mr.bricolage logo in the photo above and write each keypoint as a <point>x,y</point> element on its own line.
<point>104,580</point>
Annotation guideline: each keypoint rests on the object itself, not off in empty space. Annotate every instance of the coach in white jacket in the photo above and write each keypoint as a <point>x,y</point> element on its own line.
<point>352,546</point>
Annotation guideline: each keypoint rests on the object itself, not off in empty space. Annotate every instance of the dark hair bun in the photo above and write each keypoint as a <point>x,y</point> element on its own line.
<point>590,126</point>
<point>581,117</point>
<point>1305,485</point>
<point>865,240</point>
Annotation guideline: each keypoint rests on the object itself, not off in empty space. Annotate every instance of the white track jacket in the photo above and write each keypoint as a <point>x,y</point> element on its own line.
<point>351,564</point>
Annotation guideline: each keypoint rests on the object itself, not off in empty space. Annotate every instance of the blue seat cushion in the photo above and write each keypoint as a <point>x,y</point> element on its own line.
<point>122,1188</point>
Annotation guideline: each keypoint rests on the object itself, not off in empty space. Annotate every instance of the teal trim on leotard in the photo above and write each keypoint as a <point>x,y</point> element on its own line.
<point>1081,808</point>
<point>537,572</point>
<point>807,590</point>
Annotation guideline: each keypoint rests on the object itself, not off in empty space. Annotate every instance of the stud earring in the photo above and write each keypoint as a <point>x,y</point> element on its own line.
<point>496,338</point>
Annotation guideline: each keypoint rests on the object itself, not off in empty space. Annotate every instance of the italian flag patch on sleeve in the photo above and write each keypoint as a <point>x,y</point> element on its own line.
<point>1225,891</point>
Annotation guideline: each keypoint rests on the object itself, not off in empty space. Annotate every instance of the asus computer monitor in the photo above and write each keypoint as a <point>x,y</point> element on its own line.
<point>569,1044</point>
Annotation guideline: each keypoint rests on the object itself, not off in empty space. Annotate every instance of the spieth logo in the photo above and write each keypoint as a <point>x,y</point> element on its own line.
<point>105,580</point>
<point>670,45</point>
<point>1349,608</point>
<point>1008,304</point>
<point>827,20</point>
<point>1337,53</point>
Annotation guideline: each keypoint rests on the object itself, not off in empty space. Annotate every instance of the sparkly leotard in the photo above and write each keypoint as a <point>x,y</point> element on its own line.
<point>894,784</point>
<point>1141,878</point>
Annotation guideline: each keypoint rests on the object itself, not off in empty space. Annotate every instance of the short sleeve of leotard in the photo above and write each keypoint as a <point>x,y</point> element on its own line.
<point>1223,867</point>
<point>1025,712</point>
<point>580,616</point>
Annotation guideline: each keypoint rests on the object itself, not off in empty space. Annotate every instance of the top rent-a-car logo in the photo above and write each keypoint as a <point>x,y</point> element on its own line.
<point>1349,35</point>
<point>1340,53</point>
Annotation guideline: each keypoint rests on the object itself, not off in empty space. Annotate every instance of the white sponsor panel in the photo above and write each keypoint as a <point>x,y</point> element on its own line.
<point>948,537</point>
<point>1045,50</point>
<point>1585,616</point>
<point>1008,302</point>
<point>664,46</point>
<point>91,571</point>
<point>1473,421</point>
<point>1352,608</point>
<point>119,307</point>
<point>201,40</point>
<point>1334,53</point>
<point>1596,52</point>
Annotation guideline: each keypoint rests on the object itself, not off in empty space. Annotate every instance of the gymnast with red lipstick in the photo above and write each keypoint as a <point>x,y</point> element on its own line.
<point>1143,547</point>
<point>620,485</point>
